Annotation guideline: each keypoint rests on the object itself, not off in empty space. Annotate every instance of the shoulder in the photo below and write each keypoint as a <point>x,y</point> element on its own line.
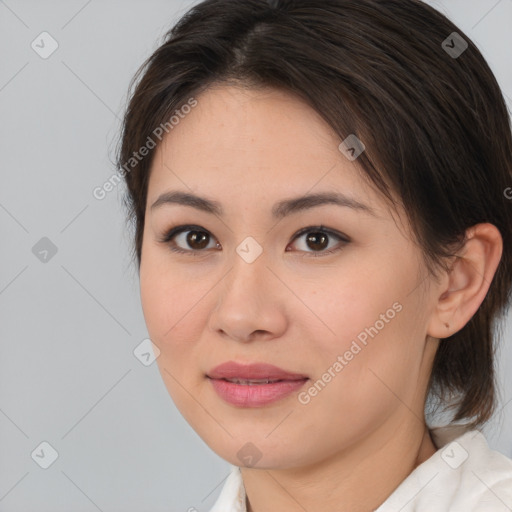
<point>464,475</point>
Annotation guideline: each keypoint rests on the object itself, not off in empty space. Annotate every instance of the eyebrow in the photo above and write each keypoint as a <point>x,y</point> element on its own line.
<point>279,210</point>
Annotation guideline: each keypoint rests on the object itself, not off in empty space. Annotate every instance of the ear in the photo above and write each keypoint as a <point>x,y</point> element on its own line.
<point>466,284</point>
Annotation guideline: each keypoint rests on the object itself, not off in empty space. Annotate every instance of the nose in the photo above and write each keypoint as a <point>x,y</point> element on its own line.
<point>250,302</point>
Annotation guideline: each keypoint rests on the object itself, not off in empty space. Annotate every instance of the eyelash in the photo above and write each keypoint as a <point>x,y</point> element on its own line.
<point>167,238</point>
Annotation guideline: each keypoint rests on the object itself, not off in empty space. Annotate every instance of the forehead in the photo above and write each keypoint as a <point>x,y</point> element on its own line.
<point>261,143</point>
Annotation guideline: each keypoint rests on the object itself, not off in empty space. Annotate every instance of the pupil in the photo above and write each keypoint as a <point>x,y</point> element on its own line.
<point>193,238</point>
<point>314,237</point>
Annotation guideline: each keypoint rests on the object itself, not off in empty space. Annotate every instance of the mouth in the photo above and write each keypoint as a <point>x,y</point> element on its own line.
<point>254,385</point>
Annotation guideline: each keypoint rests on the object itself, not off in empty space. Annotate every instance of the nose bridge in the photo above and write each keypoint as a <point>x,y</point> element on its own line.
<point>248,272</point>
<point>246,302</point>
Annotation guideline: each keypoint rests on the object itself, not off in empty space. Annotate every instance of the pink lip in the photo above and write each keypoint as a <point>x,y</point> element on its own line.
<point>255,395</point>
<point>232,370</point>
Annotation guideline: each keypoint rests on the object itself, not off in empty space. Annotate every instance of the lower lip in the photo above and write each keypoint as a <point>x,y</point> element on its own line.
<point>255,395</point>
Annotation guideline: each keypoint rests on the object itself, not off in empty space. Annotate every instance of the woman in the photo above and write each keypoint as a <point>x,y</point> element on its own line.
<point>324,242</point>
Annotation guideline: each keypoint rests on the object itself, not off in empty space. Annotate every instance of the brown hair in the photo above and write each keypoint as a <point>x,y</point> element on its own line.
<point>435,126</point>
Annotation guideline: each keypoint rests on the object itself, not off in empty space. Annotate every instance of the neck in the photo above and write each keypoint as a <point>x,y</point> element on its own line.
<point>357,480</point>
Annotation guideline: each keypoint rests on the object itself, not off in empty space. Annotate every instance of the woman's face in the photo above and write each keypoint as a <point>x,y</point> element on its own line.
<point>344,303</point>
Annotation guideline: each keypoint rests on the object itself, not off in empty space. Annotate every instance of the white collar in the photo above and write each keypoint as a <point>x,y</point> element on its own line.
<point>463,473</point>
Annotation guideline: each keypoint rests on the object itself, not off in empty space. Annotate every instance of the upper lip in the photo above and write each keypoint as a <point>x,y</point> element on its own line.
<point>232,370</point>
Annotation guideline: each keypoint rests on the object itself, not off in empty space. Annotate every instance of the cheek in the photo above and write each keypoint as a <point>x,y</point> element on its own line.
<point>372,342</point>
<point>157,304</point>
<point>165,296</point>
<point>171,311</point>
<point>174,305</point>
<point>351,308</point>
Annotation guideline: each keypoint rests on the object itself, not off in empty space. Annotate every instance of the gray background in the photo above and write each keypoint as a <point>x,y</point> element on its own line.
<point>69,325</point>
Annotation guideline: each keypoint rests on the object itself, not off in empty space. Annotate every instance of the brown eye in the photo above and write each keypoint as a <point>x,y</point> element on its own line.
<point>197,239</point>
<point>194,240</point>
<point>318,240</point>
<point>189,239</point>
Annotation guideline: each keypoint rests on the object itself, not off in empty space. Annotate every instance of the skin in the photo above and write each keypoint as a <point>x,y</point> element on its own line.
<point>357,439</point>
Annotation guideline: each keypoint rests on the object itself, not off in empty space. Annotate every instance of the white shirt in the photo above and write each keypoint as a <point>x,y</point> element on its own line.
<point>464,475</point>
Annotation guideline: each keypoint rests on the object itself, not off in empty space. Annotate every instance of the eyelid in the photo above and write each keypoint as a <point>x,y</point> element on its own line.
<point>323,229</point>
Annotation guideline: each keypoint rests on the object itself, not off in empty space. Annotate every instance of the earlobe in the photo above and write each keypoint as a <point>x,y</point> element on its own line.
<point>467,283</point>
